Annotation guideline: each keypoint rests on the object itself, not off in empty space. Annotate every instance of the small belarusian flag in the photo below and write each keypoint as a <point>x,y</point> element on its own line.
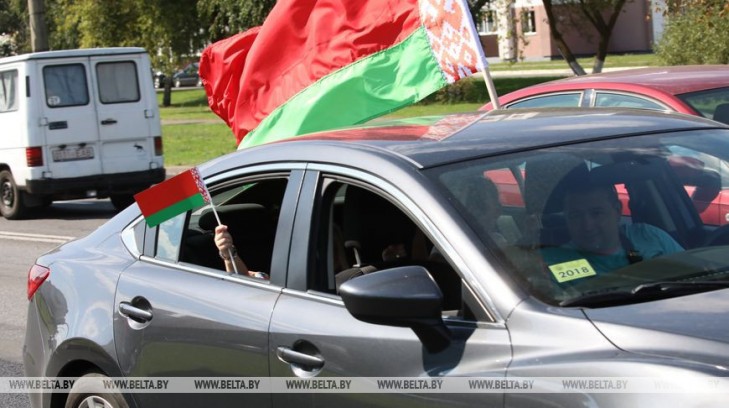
<point>321,64</point>
<point>163,201</point>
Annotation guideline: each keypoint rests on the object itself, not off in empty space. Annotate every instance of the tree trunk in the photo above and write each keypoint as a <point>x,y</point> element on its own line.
<point>604,29</point>
<point>167,93</point>
<point>38,31</point>
<point>562,46</point>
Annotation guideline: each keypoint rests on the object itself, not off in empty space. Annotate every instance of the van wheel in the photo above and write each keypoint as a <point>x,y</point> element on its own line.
<point>85,394</point>
<point>121,201</point>
<point>11,199</point>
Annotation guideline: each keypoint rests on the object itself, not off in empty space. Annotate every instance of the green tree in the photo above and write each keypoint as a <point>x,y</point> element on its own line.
<point>13,27</point>
<point>227,17</point>
<point>697,32</point>
<point>170,30</point>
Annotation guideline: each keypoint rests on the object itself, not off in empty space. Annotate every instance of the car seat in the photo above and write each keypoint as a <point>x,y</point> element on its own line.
<point>253,230</point>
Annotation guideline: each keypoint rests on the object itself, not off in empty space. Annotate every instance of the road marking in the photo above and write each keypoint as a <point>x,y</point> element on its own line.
<point>20,236</point>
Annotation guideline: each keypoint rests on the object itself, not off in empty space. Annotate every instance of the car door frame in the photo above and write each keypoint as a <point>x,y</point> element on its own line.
<point>239,299</point>
<point>288,332</point>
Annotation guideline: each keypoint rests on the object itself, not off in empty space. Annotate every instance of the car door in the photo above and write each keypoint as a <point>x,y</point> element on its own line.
<point>68,117</point>
<point>314,337</point>
<point>181,315</point>
<point>127,117</point>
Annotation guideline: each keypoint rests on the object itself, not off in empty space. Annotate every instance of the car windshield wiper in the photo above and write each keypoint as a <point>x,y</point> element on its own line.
<point>643,292</point>
<point>685,286</point>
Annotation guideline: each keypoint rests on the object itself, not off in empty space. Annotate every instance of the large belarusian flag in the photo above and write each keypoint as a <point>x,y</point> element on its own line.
<point>320,64</point>
<point>163,201</point>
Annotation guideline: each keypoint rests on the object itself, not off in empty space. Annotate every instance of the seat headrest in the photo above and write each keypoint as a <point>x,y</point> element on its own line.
<point>721,113</point>
<point>250,216</point>
<point>542,175</point>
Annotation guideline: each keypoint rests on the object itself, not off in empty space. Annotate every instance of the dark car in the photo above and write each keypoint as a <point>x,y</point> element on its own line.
<point>187,76</point>
<point>488,300</point>
<point>158,78</point>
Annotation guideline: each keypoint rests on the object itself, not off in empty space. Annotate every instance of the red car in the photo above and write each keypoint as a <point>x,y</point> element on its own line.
<point>701,90</point>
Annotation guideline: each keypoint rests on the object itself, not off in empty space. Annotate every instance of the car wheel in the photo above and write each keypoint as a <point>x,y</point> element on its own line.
<point>11,199</point>
<point>84,394</point>
<point>121,201</point>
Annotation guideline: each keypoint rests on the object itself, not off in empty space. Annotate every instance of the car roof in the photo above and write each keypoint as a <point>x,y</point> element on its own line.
<point>432,141</point>
<point>674,80</point>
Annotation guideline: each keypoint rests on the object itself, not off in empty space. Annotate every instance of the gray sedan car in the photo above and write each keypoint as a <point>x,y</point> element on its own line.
<point>488,255</point>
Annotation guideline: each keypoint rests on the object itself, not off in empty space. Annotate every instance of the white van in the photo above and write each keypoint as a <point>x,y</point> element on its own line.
<point>77,124</point>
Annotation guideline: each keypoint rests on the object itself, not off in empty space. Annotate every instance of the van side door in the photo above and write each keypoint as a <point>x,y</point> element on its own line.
<point>128,117</point>
<point>67,117</point>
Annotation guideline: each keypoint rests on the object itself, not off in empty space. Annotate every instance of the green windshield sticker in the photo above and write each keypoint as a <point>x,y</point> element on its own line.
<point>567,271</point>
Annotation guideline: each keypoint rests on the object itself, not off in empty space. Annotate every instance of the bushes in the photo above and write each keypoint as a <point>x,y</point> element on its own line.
<point>697,32</point>
<point>473,90</point>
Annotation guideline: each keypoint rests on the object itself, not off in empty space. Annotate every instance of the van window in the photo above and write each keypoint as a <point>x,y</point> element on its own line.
<point>118,82</point>
<point>65,85</point>
<point>8,91</point>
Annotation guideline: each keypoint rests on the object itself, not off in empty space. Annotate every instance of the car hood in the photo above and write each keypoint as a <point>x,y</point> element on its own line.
<point>694,327</point>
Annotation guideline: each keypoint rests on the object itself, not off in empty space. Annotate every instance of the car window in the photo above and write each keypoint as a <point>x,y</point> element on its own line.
<point>65,85</point>
<point>249,208</point>
<point>118,82</point>
<point>601,217</point>
<point>705,178</point>
<point>610,99</point>
<point>561,100</point>
<point>358,231</point>
<point>712,104</point>
<point>8,90</point>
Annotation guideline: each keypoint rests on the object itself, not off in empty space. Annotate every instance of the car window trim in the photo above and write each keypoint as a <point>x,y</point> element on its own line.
<point>390,191</point>
<point>294,172</point>
<point>211,273</point>
<point>597,92</point>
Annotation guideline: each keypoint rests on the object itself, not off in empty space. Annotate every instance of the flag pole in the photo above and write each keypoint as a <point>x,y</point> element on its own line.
<point>204,189</point>
<point>491,89</point>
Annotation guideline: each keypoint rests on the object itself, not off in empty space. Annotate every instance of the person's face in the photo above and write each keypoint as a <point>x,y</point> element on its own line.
<point>592,220</point>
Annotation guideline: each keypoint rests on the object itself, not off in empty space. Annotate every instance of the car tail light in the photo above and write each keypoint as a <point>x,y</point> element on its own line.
<point>158,146</point>
<point>34,156</point>
<point>36,276</point>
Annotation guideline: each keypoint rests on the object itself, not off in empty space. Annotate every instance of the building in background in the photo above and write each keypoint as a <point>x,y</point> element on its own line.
<point>518,29</point>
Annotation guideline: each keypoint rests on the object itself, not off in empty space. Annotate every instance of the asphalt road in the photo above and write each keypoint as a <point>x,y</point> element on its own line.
<point>21,242</point>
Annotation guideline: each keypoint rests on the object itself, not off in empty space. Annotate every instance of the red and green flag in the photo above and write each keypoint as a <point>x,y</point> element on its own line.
<point>321,64</point>
<point>163,201</point>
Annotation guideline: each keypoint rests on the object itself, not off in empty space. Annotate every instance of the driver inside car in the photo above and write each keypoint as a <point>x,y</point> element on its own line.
<point>598,242</point>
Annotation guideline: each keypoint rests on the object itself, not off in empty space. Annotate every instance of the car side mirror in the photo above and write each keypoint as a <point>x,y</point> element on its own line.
<point>403,297</point>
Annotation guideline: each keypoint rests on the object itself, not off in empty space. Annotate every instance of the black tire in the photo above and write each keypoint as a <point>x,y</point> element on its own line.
<point>85,394</point>
<point>121,201</point>
<point>11,199</point>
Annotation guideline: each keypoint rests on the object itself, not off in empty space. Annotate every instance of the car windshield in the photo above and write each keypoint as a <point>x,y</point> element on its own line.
<point>606,222</point>
<point>712,104</point>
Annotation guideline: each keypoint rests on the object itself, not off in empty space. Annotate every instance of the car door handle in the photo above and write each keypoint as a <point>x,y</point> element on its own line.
<point>108,122</point>
<point>134,313</point>
<point>287,355</point>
